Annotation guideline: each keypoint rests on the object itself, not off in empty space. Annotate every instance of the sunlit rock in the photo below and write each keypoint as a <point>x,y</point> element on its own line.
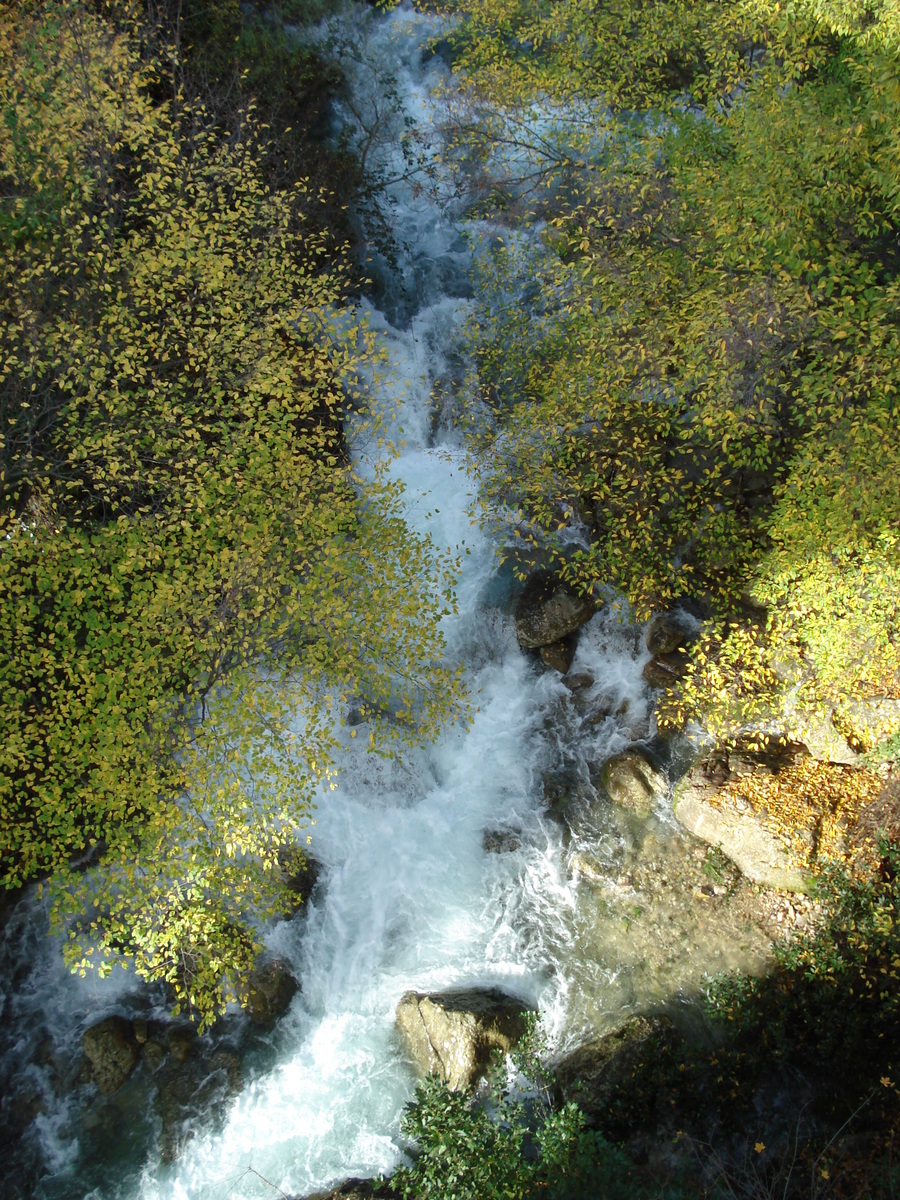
<point>665,633</point>
<point>548,610</point>
<point>113,1052</point>
<point>632,782</point>
<point>703,806</point>
<point>453,1034</point>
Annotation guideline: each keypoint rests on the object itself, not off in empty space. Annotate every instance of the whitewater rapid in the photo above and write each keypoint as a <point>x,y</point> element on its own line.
<point>412,891</point>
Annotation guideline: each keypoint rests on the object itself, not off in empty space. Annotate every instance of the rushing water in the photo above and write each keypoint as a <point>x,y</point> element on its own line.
<point>444,869</point>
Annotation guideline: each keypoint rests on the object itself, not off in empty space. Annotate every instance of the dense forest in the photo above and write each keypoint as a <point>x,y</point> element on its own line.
<point>706,381</point>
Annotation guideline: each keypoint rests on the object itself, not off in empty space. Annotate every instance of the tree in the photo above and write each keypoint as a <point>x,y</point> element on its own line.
<point>712,387</point>
<point>189,576</point>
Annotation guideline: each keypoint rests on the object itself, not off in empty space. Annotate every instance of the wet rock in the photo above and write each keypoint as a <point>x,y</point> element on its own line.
<point>665,670</point>
<point>665,633</point>
<point>590,1075</point>
<point>718,818</point>
<point>155,1053</point>
<point>182,1039</point>
<point>357,1189</point>
<point>268,992</point>
<point>198,1087</point>
<point>632,782</point>
<point>577,681</point>
<point>112,1050</point>
<point>500,841</point>
<point>141,1030</point>
<point>548,611</point>
<point>559,656</point>
<point>299,873</point>
<point>454,1033</point>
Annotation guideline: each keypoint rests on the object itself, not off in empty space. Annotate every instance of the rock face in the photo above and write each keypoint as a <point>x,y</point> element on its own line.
<point>548,611</point>
<point>113,1052</point>
<point>269,992</point>
<point>452,1034</point>
<point>591,1074</point>
<point>632,782</point>
<point>733,826</point>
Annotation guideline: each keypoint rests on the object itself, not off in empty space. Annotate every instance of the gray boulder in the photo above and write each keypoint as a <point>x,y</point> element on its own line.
<point>632,782</point>
<point>453,1034</point>
<point>113,1052</point>
<point>548,611</point>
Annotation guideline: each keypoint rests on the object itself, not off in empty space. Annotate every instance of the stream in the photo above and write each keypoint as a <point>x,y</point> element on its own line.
<point>449,867</point>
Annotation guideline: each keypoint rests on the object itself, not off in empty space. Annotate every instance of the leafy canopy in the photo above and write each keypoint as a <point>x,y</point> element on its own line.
<point>191,586</point>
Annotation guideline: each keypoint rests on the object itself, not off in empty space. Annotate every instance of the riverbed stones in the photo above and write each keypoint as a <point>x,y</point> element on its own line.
<point>723,820</point>
<point>548,611</point>
<point>453,1034</point>
<point>633,782</point>
<point>113,1052</point>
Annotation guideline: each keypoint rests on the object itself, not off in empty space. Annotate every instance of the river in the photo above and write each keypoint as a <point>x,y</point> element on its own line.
<point>443,869</point>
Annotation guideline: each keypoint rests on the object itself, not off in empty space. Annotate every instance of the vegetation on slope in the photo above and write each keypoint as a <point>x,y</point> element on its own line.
<point>710,386</point>
<point>188,578</point>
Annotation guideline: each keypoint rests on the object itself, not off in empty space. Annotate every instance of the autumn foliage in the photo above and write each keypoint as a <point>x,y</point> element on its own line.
<point>190,587</point>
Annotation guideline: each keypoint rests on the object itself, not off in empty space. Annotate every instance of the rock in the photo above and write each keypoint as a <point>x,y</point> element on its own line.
<point>589,1075</point>
<point>453,1034</point>
<point>738,832</point>
<point>154,1053</point>
<point>268,992</point>
<point>500,841</point>
<point>578,680</point>
<point>198,1087</point>
<point>559,656</point>
<point>181,1039</point>
<point>665,670</point>
<point>299,872</point>
<point>632,782</point>
<point>112,1050</point>
<point>665,633</point>
<point>548,610</point>
<point>141,1029</point>
<point>357,1189</point>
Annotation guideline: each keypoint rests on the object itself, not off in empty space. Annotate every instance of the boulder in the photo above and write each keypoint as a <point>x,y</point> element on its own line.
<point>632,782</point>
<point>591,1074</point>
<point>559,656</point>
<point>268,992</point>
<point>191,1089</point>
<point>665,633</point>
<point>453,1034</point>
<point>548,610</point>
<point>723,820</point>
<point>665,670</point>
<point>578,681</point>
<point>500,841</point>
<point>358,1189</point>
<point>113,1052</point>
